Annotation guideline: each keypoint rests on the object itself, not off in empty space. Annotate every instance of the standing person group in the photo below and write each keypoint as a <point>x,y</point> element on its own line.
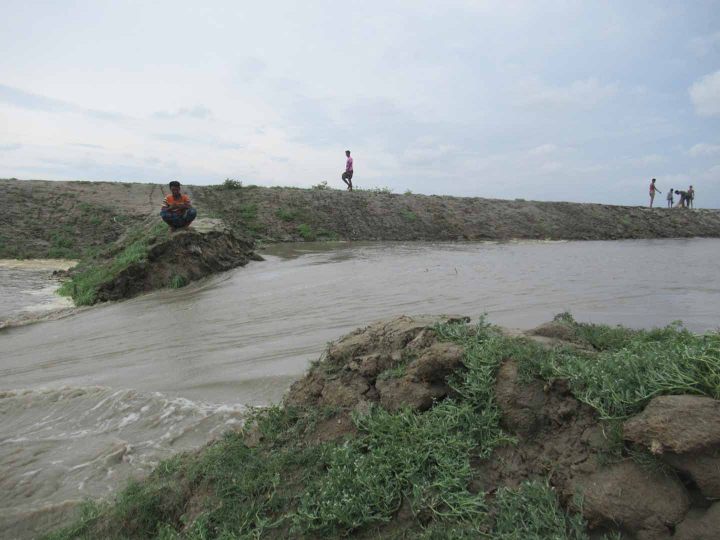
<point>687,198</point>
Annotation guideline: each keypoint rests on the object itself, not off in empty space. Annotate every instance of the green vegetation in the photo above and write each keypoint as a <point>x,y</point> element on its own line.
<point>177,281</point>
<point>248,211</point>
<point>230,184</point>
<point>62,244</point>
<point>377,190</point>
<point>324,234</point>
<point>408,214</point>
<point>306,232</point>
<point>398,370</point>
<point>98,269</point>
<point>287,214</point>
<point>393,372</point>
<point>633,366</point>
<point>273,481</point>
<point>533,512</point>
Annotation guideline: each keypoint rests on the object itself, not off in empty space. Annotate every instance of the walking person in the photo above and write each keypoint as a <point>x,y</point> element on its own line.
<point>670,199</point>
<point>348,174</point>
<point>653,189</point>
<point>691,197</point>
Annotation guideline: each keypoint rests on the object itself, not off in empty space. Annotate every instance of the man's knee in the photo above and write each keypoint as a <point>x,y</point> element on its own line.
<point>190,214</point>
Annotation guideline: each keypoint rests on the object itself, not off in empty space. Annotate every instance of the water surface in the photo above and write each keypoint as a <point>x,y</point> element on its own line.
<point>93,397</point>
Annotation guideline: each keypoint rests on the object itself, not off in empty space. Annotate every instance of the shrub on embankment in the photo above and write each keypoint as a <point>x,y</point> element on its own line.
<point>433,428</point>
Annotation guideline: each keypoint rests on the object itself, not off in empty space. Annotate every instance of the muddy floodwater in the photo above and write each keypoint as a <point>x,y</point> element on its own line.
<point>88,400</point>
<point>26,289</point>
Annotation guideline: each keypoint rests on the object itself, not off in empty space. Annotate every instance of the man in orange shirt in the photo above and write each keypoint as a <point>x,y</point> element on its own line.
<point>176,210</point>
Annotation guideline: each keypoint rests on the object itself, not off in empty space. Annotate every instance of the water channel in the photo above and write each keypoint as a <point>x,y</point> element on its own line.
<point>88,400</point>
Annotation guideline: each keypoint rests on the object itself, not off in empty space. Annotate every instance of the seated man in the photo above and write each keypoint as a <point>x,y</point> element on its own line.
<point>176,210</point>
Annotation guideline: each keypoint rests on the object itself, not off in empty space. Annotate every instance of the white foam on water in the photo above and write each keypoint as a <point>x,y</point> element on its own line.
<point>69,443</point>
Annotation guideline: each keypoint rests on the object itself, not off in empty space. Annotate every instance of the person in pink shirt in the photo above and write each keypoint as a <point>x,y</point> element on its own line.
<point>653,189</point>
<point>348,174</point>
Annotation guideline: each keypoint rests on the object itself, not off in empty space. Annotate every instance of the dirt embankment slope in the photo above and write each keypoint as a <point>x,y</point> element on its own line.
<point>65,219</point>
<point>428,427</point>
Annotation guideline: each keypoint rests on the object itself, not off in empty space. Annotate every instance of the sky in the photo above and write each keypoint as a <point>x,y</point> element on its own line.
<point>544,100</point>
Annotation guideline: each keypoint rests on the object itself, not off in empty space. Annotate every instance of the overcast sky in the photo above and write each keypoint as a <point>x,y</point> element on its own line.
<point>559,100</point>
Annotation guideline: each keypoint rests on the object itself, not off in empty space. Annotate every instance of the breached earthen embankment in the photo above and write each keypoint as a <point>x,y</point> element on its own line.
<point>183,257</point>
<point>65,219</point>
<point>152,257</point>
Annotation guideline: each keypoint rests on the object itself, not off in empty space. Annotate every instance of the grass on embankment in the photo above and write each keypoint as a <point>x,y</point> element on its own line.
<point>416,465</point>
<point>99,268</point>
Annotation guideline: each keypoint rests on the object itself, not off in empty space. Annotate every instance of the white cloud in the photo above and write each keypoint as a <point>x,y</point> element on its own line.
<point>705,95</point>
<point>542,150</point>
<point>199,111</point>
<point>704,149</point>
<point>552,166</point>
<point>584,93</point>
<point>650,159</point>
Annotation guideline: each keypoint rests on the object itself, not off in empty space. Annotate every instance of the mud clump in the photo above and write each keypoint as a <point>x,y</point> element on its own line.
<point>685,432</point>
<point>700,524</point>
<point>646,502</point>
<point>396,363</point>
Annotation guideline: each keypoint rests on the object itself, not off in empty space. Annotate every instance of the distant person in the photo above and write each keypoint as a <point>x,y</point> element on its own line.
<point>653,189</point>
<point>348,174</point>
<point>683,198</point>
<point>691,197</point>
<point>670,199</point>
<point>177,210</point>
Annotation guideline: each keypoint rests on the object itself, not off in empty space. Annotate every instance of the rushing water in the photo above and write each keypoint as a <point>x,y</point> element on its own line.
<point>93,398</point>
<point>26,289</point>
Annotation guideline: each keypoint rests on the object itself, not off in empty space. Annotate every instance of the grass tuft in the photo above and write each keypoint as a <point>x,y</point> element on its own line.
<point>533,512</point>
<point>177,281</point>
<point>306,232</point>
<point>633,366</point>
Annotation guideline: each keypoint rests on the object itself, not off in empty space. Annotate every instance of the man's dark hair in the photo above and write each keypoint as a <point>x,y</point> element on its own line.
<point>347,151</point>
<point>174,183</point>
<point>653,180</point>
